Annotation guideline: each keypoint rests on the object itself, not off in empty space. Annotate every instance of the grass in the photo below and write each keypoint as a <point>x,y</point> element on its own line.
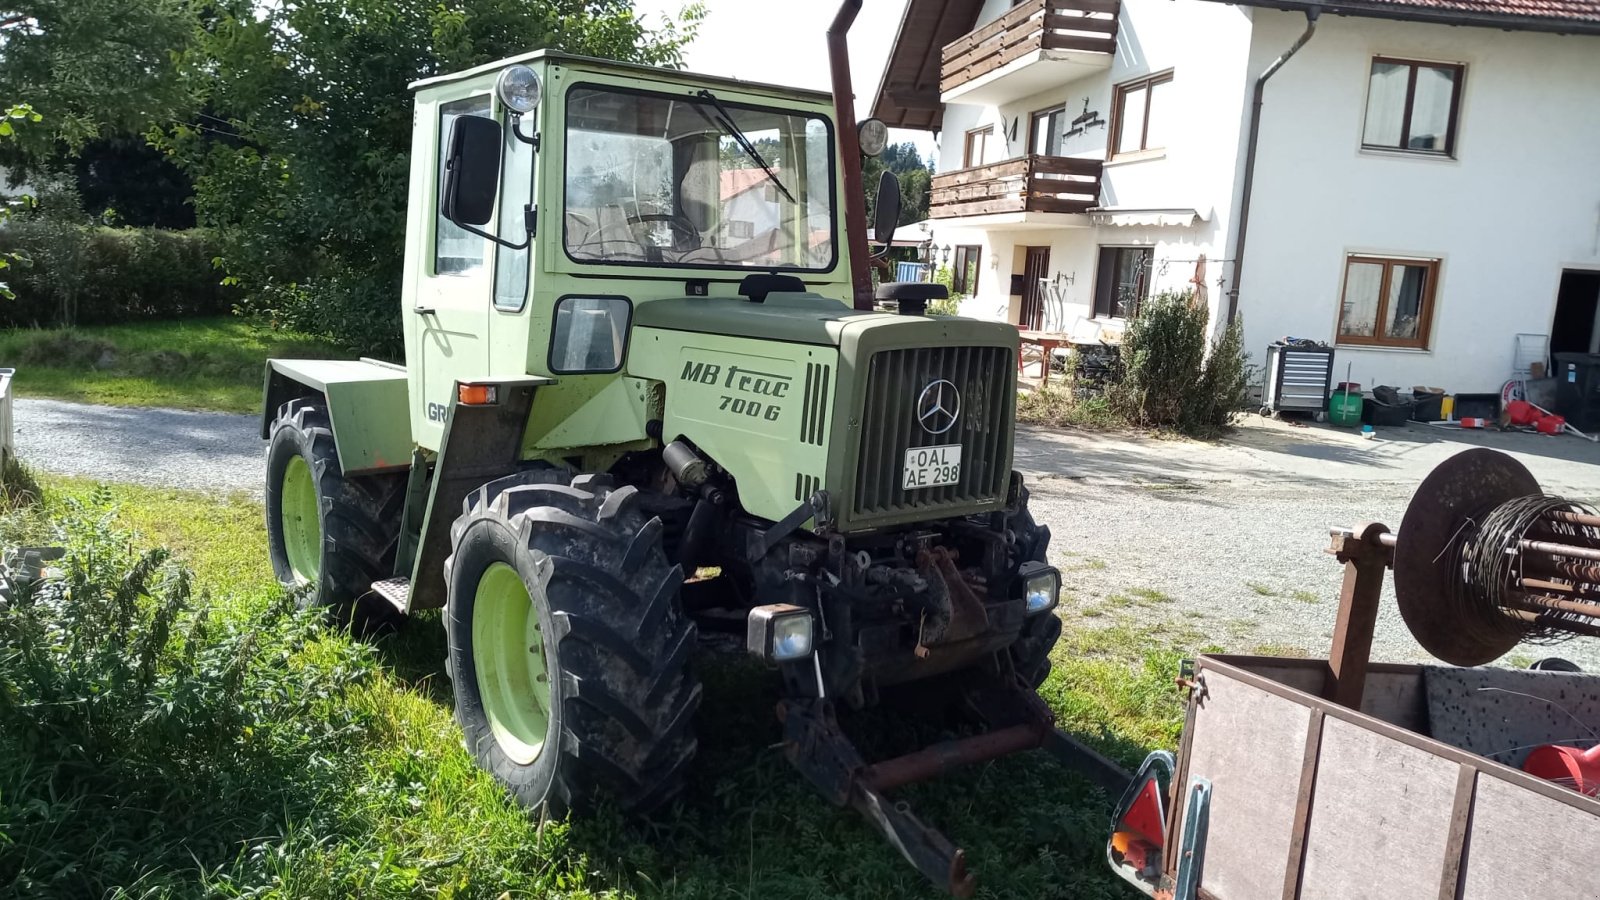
<point>381,800</point>
<point>1261,589</point>
<point>203,363</point>
<point>1061,407</point>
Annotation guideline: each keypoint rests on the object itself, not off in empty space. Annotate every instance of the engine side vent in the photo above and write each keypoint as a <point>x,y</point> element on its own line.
<point>814,410</point>
<point>805,486</point>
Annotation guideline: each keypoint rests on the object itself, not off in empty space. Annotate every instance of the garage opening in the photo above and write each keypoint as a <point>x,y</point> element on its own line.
<point>1575,327</point>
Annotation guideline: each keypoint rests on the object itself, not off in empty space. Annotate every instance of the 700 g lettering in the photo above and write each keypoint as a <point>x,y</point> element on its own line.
<point>752,408</point>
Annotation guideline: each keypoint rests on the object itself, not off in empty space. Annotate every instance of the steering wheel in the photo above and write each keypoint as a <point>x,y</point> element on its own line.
<point>685,236</point>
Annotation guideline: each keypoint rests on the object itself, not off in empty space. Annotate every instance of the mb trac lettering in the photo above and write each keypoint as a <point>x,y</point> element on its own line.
<point>756,384</point>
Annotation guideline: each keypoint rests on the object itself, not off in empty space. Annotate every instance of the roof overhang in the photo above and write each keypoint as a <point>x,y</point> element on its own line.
<point>908,92</point>
<point>1123,217</point>
<point>1015,221</point>
<point>1584,18</point>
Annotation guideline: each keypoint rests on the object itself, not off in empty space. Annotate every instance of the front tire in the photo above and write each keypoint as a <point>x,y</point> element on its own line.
<point>567,647</point>
<point>328,534</point>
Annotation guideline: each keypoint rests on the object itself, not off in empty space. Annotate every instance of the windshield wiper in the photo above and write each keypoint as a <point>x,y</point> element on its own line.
<point>725,121</point>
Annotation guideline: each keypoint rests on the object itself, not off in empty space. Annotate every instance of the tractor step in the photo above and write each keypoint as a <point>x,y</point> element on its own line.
<point>1017,720</point>
<point>395,590</point>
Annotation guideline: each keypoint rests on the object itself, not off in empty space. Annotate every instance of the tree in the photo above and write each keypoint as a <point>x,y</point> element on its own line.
<point>915,180</point>
<point>93,68</point>
<point>308,199</point>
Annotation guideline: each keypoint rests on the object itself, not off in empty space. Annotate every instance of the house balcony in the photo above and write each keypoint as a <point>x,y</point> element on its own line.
<point>1029,190</point>
<point>1035,46</point>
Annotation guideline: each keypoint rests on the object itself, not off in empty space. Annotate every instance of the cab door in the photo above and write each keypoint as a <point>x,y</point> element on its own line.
<point>452,299</point>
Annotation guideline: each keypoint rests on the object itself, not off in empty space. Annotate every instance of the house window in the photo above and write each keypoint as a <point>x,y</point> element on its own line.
<point>1044,132</point>
<point>1123,281</point>
<point>964,278</point>
<point>1141,113</point>
<point>1412,106</point>
<point>1387,302</point>
<point>977,148</point>
<point>741,230</point>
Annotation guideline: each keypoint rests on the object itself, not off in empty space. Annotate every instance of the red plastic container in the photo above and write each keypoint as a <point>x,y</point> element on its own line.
<point>1550,425</point>
<point>1567,766</point>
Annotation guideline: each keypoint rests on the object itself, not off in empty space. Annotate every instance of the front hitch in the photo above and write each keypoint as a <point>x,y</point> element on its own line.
<point>1018,720</point>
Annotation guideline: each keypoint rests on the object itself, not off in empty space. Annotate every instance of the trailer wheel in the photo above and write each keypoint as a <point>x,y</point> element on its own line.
<point>567,647</point>
<point>1030,653</point>
<point>333,533</point>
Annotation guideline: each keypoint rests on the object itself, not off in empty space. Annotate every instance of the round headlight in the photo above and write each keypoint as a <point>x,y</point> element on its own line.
<point>873,135</point>
<point>518,88</point>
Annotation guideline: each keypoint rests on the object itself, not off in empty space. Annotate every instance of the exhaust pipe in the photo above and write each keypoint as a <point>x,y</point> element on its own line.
<point>844,112</point>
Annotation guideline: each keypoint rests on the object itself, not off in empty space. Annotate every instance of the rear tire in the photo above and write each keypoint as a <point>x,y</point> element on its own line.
<point>1030,653</point>
<point>336,535</point>
<point>605,631</point>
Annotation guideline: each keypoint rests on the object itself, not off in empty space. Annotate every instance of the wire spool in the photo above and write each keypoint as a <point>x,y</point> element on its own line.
<point>1485,560</point>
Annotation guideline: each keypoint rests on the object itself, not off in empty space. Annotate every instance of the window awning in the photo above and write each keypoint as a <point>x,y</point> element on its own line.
<point>1159,218</point>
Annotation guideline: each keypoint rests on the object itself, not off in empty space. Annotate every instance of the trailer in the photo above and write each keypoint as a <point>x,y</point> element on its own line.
<point>1345,779</point>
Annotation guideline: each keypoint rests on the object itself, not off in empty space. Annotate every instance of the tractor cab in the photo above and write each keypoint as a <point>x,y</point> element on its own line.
<point>555,197</point>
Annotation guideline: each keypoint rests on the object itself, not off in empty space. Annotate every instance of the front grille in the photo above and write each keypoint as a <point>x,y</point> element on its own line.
<point>889,426</point>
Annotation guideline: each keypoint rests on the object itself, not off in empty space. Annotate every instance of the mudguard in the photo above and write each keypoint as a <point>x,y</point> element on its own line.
<point>367,404</point>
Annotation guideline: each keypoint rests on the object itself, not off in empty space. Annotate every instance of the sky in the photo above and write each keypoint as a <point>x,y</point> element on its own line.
<point>785,43</point>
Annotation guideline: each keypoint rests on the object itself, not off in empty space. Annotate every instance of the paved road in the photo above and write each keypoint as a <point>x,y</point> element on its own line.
<point>171,447</point>
<point>1226,539</point>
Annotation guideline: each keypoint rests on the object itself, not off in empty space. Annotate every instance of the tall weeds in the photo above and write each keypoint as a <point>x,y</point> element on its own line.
<point>143,738</point>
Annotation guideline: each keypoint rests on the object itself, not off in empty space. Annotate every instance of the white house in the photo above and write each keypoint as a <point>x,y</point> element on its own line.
<point>1424,186</point>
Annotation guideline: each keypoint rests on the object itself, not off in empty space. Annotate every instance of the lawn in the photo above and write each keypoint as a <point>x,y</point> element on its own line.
<point>354,781</point>
<point>211,363</point>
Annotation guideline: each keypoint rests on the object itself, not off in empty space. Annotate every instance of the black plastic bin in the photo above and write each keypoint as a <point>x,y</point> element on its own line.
<point>1578,389</point>
<point>1427,406</point>
<point>1379,414</point>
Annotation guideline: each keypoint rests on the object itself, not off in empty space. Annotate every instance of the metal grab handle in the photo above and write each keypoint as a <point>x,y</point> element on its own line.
<point>423,310</point>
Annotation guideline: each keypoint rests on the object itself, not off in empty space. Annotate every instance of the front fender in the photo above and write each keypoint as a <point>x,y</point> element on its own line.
<point>368,404</point>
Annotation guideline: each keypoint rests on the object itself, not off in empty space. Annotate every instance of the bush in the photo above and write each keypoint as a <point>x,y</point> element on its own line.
<point>87,275</point>
<point>1170,381</point>
<point>145,739</point>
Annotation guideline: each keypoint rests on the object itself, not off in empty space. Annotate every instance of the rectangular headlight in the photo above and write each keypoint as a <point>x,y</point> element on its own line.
<point>1041,587</point>
<point>780,632</point>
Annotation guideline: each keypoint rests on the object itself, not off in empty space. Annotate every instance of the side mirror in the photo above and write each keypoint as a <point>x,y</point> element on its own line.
<point>472,170</point>
<point>887,210</point>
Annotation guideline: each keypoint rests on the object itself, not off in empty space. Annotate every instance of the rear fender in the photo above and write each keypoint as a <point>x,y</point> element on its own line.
<point>367,404</point>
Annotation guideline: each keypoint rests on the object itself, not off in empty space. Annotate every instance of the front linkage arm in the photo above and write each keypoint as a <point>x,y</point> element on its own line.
<point>1018,720</point>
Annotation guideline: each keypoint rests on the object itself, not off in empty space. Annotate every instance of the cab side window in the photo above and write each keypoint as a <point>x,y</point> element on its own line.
<point>455,251</point>
<point>516,192</point>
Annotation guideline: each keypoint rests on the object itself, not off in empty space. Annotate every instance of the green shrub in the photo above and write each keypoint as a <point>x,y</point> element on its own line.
<point>87,275</point>
<point>143,738</point>
<point>1170,381</point>
<point>19,488</point>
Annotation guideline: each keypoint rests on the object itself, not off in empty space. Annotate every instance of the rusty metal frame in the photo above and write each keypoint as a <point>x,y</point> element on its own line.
<point>1017,720</point>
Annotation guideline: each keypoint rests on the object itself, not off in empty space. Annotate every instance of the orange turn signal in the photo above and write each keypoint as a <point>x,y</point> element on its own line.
<point>477,394</point>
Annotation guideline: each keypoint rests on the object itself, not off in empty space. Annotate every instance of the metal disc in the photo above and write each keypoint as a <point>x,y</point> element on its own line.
<point>1463,487</point>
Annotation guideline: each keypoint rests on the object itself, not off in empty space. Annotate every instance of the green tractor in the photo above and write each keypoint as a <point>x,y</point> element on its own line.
<point>641,341</point>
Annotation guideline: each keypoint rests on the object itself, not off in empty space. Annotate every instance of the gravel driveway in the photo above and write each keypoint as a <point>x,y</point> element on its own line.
<point>1225,538</point>
<point>171,447</point>
<point>1229,538</point>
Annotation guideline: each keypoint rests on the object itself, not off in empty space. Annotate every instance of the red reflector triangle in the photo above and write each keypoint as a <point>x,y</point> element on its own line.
<point>1144,817</point>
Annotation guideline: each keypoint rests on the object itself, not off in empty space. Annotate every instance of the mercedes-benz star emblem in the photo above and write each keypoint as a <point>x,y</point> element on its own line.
<point>939,406</point>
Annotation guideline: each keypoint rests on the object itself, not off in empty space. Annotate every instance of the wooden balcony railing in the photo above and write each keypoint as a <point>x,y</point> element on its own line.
<point>1053,184</point>
<point>1085,25</point>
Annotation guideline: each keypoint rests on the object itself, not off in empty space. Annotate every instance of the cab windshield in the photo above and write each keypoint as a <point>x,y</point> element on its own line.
<point>663,180</point>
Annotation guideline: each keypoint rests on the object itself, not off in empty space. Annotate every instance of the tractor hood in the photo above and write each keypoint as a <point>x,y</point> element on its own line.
<point>813,319</point>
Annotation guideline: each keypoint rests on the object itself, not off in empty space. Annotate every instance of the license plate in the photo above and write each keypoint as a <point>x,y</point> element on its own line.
<point>928,467</point>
